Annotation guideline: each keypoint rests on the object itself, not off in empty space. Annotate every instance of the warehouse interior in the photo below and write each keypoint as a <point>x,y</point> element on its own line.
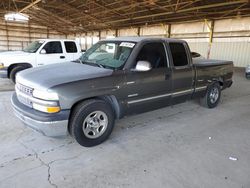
<point>224,23</point>
<point>178,146</point>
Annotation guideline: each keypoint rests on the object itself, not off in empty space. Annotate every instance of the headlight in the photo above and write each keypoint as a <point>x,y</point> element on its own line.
<point>49,102</point>
<point>45,95</point>
<point>1,65</point>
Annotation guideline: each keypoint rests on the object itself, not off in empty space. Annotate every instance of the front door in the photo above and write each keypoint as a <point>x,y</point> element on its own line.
<point>52,52</point>
<point>151,89</point>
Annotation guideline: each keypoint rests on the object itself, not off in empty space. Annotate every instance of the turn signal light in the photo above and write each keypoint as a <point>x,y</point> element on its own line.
<point>47,109</point>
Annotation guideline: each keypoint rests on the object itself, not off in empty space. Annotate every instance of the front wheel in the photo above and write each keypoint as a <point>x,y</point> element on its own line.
<point>212,97</point>
<point>91,122</point>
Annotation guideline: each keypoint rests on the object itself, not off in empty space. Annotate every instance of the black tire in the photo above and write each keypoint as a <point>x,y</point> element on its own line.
<point>209,100</point>
<point>14,71</point>
<point>79,116</point>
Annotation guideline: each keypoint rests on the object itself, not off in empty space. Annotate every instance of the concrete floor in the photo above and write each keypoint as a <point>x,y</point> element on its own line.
<point>182,146</point>
<point>6,85</point>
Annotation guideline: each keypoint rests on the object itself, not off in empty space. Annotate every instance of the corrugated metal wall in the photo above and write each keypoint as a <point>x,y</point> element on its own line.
<point>239,52</point>
<point>200,47</point>
<point>16,36</point>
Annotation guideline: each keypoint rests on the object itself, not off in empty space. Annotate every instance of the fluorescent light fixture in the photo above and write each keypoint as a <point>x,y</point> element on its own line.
<point>16,16</point>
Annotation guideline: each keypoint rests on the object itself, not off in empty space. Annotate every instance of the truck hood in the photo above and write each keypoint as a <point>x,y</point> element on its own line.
<point>11,57</point>
<point>11,53</point>
<point>48,76</point>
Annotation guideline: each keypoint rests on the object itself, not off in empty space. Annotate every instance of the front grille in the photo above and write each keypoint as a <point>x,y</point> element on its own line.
<point>24,94</point>
<point>24,89</point>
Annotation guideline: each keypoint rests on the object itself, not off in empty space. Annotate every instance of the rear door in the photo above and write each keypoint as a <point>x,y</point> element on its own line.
<point>150,89</point>
<point>183,73</point>
<point>71,50</point>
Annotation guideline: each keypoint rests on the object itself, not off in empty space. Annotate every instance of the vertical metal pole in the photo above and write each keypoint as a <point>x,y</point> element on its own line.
<point>7,36</point>
<point>211,33</point>
<point>29,32</point>
<point>92,39</point>
<point>169,30</point>
<point>99,35</point>
<point>86,46</point>
<point>116,33</point>
<point>138,31</point>
<point>47,32</point>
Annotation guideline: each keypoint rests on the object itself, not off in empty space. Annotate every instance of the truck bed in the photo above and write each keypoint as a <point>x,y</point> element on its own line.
<point>210,62</point>
<point>208,70</point>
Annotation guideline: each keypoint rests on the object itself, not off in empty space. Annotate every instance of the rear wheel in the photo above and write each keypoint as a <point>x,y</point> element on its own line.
<point>14,71</point>
<point>212,97</point>
<point>92,122</point>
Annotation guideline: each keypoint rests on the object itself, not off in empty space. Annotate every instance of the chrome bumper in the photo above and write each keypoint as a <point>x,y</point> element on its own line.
<point>52,128</point>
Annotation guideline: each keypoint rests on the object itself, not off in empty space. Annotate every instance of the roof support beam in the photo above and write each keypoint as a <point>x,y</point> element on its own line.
<point>30,5</point>
<point>180,11</point>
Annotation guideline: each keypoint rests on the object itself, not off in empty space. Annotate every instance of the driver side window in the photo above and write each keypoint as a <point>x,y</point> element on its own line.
<point>154,53</point>
<point>53,48</point>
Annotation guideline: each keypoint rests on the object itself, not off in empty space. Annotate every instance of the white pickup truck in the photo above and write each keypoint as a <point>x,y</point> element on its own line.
<point>38,53</point>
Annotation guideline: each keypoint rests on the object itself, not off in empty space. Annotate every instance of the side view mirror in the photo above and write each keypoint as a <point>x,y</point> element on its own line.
<point>142,66</point>
<point>43,51</point>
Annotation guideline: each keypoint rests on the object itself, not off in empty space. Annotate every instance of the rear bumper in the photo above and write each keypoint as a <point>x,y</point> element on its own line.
<point>3,72</point>
<point>227,84</point>
<point>52,125</point>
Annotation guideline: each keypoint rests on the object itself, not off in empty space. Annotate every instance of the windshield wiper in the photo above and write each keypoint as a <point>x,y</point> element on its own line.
<point>106,66</point>
<point>95,64</point>
<point>91,63</point>
<point>80,61</point>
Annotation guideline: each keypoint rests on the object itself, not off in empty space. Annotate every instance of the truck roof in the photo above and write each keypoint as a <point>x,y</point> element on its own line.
<point>140,39</point>
<point>57,40</point>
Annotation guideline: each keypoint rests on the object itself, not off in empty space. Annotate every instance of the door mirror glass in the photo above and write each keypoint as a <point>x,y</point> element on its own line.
<point>43,51</point>
<point>142,66</point>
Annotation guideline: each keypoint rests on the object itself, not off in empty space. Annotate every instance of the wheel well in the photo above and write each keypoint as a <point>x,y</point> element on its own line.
<point>220,81</point>
<point>109,99</point>
<point>26,65</point>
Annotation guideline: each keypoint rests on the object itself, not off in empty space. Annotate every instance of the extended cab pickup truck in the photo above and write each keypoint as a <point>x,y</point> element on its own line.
<point>40,52</point>
<point>114,78</point>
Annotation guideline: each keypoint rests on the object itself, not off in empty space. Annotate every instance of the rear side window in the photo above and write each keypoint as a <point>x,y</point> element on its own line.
<point>70,47</point>
<point>53,47</point>
<point>179,54</point>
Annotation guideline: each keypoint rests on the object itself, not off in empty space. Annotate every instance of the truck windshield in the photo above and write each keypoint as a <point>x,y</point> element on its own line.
<point>33,47</point>
<point>108,54</point>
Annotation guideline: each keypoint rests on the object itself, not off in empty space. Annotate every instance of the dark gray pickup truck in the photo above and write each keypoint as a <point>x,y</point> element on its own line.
<point>114,78</point>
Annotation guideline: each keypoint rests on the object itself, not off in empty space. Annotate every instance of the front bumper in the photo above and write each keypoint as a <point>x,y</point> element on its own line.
<point>52,125</point>
<point>247,74</point>
<point>4,72</point>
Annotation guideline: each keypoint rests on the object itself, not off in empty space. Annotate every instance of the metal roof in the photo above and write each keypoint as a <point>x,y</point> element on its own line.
<point>78,16</point>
